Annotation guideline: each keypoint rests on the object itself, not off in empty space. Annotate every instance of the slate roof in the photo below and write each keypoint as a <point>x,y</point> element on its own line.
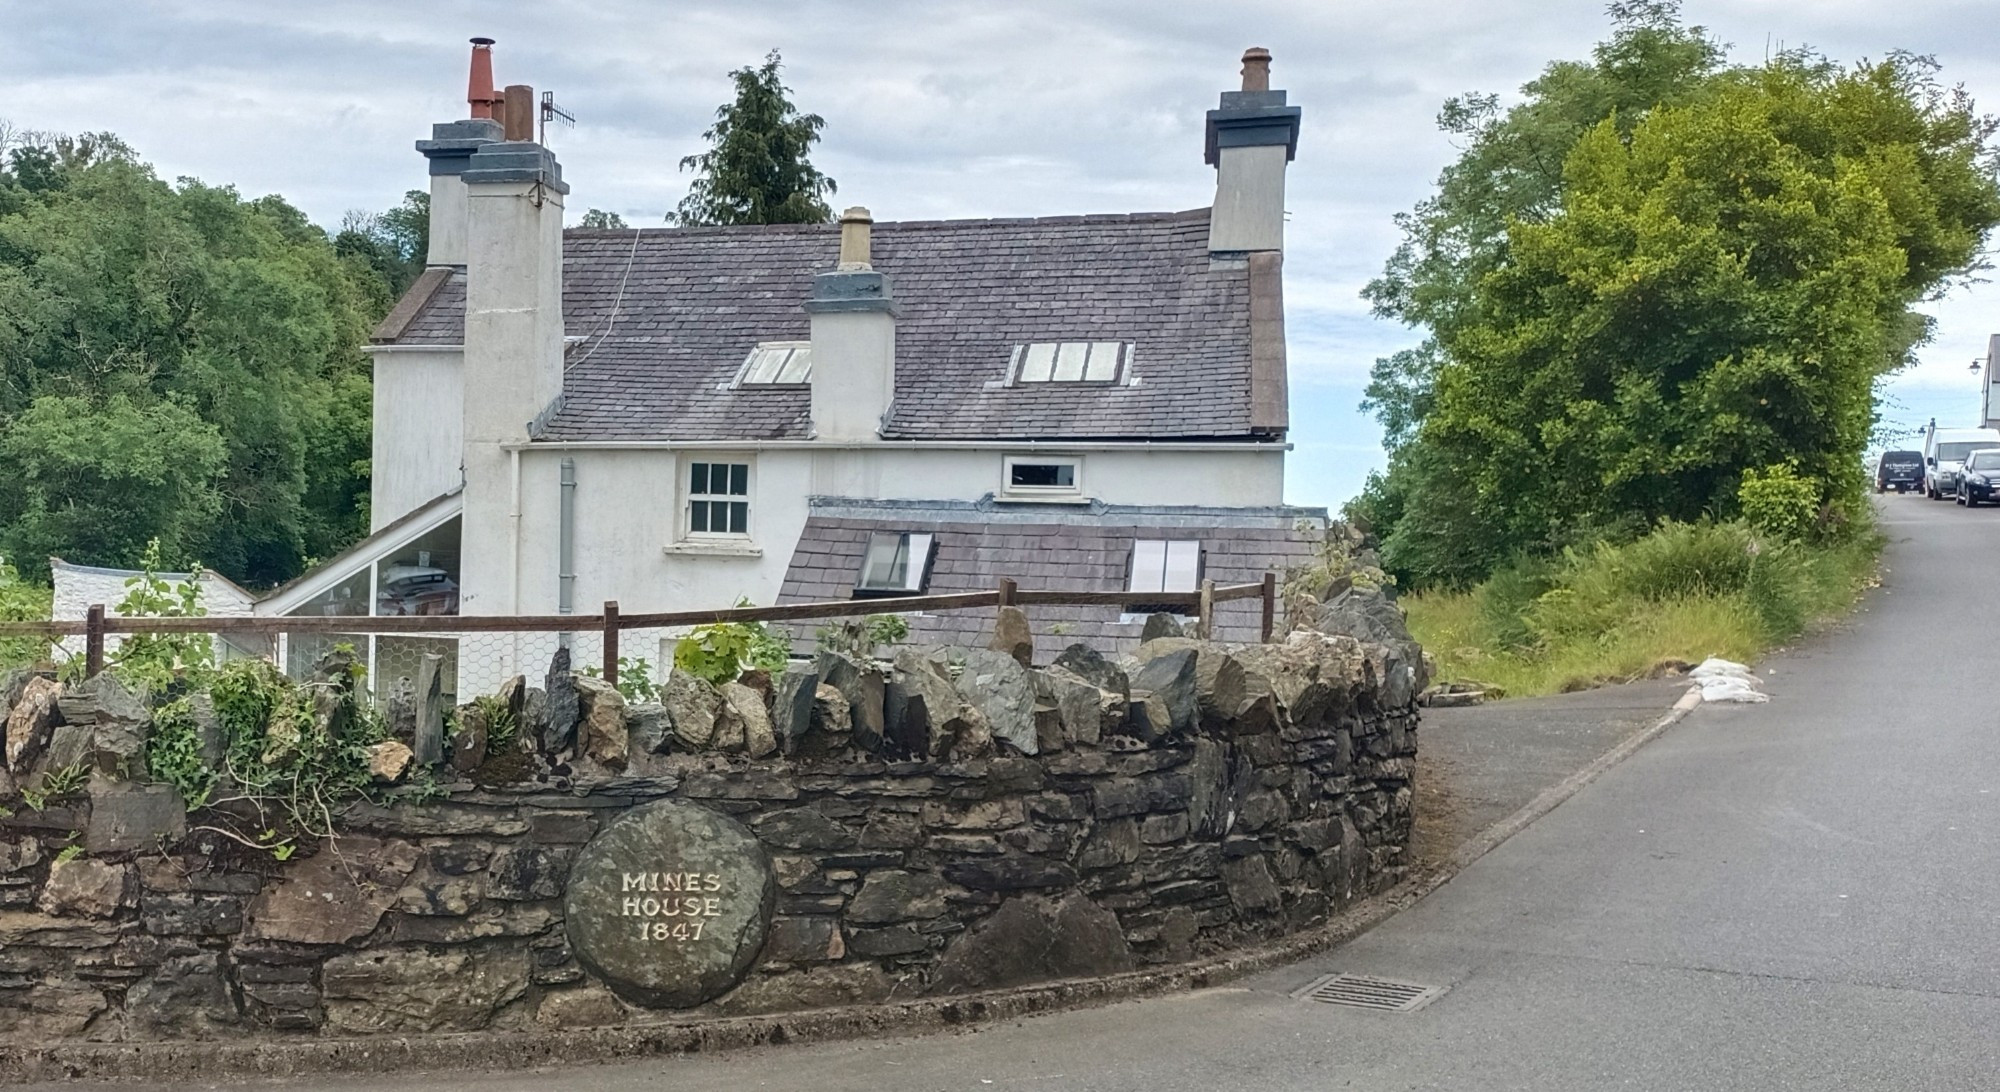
<point>1048,547</point>
<point>691,302</point>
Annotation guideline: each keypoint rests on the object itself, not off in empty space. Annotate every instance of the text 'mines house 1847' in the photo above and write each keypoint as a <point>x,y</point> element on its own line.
<point>680,418</point>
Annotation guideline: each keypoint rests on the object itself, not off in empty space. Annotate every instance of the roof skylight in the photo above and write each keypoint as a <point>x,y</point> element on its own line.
<point>1070,361</point>
<point>774,362</point>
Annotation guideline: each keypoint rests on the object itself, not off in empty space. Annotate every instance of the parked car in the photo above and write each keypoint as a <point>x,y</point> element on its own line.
<point>1899,470</point>
<point>1945,450</point>
<point>1980,481</point>
<point>416,589</point>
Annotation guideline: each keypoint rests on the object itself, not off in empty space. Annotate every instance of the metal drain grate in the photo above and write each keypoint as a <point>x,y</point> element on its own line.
<point>1360,991</point>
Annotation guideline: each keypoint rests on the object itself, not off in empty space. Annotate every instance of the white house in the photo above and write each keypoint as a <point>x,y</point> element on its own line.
<point>681,418</point>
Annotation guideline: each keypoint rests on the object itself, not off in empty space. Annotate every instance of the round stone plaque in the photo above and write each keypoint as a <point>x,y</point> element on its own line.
<point>670,903</point>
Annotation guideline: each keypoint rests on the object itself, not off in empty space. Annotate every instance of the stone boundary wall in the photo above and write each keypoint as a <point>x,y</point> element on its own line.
<point>1089,818</point>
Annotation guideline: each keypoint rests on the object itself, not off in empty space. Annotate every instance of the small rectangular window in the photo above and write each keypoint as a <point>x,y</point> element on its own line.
<point>1046,477</point>
<point>897,563</point>
<point>1165,566</point>
<point>718,499</point>
<point>777,362</point>
<point>1070,361</point>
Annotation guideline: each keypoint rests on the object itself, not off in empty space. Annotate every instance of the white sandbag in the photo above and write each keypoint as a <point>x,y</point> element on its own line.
<point>1731,688</point>
<point>1713,668</point>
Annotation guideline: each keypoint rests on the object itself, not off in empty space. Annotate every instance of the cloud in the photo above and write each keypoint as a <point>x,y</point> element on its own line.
<point>939,109</point>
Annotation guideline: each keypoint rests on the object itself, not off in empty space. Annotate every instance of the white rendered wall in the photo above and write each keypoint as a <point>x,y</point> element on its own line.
<point>78,588</point>
<point>629,507</point>
<point>419,432</point>
<point>448,225</point>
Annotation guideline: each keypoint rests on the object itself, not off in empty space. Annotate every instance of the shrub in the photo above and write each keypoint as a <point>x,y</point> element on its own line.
<point>155,661</point>
<point>721,651</point>
<point>293,753</point>
<point>635,679</point>
<point>1778,502</point>
<point>22,602</point>
<point>1685,591</point>
<point>1504,600</point>
<point>1595,590</point>
<point>862,636</point>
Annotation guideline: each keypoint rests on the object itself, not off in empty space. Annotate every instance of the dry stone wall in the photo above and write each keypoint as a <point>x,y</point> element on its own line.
<point>854,831</point>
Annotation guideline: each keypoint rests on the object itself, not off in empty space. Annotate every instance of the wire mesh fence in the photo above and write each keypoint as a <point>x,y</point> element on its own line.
<point>477,654</point>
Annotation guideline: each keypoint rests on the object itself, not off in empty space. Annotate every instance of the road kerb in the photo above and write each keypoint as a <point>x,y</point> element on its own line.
<point>1479,845</point>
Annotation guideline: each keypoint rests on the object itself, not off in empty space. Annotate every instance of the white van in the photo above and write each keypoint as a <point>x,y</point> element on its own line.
<point>1945,450</point>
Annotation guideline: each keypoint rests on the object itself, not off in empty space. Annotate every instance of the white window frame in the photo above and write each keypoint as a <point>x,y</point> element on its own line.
<point>1166,548</point>
<point>1010,491</point>
<point>921,546</point>
<point>688,497</point>
<point>750,360</point>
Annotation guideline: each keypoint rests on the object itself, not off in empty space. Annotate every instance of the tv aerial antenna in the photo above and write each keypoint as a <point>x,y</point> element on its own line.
<point>553,112</point>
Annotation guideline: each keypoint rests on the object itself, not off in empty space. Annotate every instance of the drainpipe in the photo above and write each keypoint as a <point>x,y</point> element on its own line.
<point>513,552</point>
<point>566,546</point>
<point>513,534</point>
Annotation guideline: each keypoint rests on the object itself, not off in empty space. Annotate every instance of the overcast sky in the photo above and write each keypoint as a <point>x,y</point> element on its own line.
<point>933,109</point>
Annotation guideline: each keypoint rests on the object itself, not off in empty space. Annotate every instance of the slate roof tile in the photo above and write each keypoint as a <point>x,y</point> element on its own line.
<point>691,302</point>
<point>1088,551</point>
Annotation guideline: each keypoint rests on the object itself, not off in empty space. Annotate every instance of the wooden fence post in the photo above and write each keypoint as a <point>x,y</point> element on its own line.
<point>1270,605</point>
<point>428,739</point>
<point>1207,610</point>
<point>1007,589</point>
<point>93,640</point>
<point>611,641</point>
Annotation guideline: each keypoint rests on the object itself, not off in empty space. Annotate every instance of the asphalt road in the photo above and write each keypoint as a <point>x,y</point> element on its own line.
<point>1798,895</point>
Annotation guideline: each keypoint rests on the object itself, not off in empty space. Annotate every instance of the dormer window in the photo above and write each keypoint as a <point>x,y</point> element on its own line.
<point>775,363</point>
<point>1070,361</point>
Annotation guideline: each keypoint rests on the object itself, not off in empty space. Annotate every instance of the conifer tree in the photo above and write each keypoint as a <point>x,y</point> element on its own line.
<point>756,169</point>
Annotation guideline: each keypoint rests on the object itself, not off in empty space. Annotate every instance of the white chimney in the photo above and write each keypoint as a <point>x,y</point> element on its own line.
<point>513,367</point>
<point>1251,138</point>
<point>450,148</point>
<point>853,340</point>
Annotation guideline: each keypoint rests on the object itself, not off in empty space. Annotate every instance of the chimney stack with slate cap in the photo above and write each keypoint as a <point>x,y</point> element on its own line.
<point>513,363</point>
<point>853,339</point>
<point>450,149</point>
<point>1251,137</point>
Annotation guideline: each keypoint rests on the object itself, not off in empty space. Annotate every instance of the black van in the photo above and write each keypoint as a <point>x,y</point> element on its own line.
<point>1899,470</point>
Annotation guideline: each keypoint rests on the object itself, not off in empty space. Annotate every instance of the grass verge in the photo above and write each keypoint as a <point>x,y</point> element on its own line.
<point>1613,613</point>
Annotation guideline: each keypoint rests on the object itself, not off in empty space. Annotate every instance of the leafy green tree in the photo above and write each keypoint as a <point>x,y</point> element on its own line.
<point>393,244</point>
<point>1712,281</point>
<point>598,218</point>
<point>1720,291</point>
<point>143,328</point>
<point>1512,170</point>
<point>756,169</point>
<point>90,482</point>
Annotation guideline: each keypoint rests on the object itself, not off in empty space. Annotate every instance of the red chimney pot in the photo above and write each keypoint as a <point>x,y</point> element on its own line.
<point>479,91</point>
